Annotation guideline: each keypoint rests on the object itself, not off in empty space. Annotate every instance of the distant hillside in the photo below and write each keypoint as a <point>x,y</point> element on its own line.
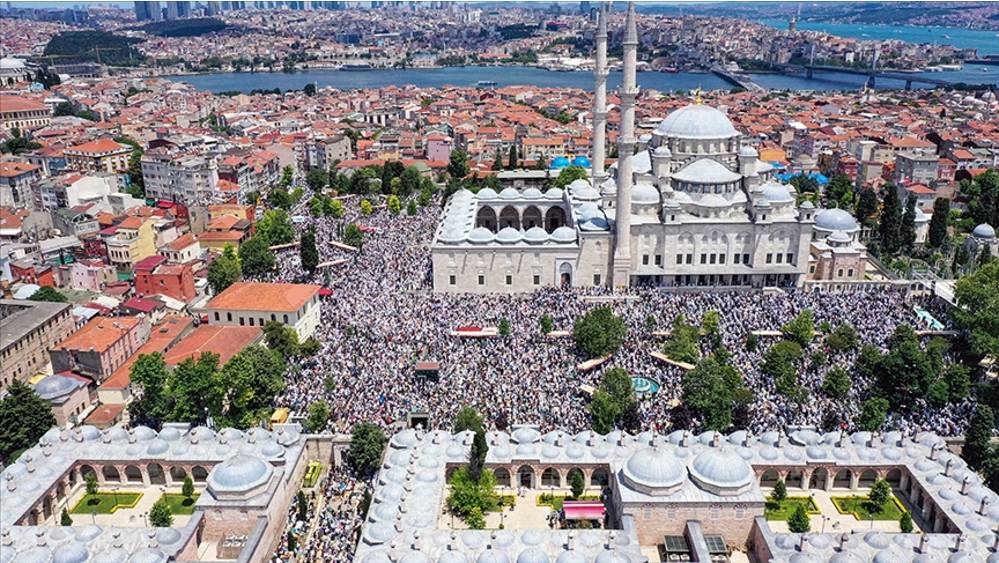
<point>185,28</point>
<point>92,46</point>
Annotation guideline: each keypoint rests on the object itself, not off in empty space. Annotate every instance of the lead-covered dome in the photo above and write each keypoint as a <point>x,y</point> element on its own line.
<point>55,386</point>
<point>721,471</point>
<point>697,121</point>
<point>836,220</point>
<point>239,474</point>
<point>653,471</point>
<point>644,193</point>
<point>564,234</point>
<point>984,231</point>
<point>776,193</point>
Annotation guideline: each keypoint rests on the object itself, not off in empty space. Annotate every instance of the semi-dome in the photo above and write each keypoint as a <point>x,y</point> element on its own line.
<point>836,220</point>
<point>776,193</point>
<point>480,235</point>
<point>706,171</point>
<point>535,235</point>
<point>653,471</point>
<point>644,193</point>
<point>721,471</point>
<point>509,235</point>
<point>697,121</point>
<point>239,474</point>
<point>839,237</point>
<point>984,231</point>
<point>564,234</point>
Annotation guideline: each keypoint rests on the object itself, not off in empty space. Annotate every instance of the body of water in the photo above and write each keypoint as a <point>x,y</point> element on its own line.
<point>987,42</point>
<point>529,76</point>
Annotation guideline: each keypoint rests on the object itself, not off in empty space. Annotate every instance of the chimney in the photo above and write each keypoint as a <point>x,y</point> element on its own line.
<point>965,484</point>
<point>922,543</point>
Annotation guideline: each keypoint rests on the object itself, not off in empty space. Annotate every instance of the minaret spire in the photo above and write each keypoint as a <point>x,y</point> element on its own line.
<point>600,99</point>
<point>625,149</point>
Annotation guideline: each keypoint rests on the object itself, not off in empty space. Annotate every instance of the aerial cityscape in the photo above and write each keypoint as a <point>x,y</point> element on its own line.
<point>497,282</point>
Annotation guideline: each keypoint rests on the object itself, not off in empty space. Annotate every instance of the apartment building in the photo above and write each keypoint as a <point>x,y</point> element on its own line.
<point>27,330</point>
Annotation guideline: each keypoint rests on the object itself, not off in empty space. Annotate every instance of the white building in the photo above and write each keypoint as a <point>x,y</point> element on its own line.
<point>185,178</point>
<point>254,304</point>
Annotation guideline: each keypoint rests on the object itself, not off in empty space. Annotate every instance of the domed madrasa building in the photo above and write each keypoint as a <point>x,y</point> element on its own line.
<point>693,206</point>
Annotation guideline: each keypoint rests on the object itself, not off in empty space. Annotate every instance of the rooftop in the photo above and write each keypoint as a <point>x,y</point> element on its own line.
<point>99,334</point>
<point>226,341</point>
<point>21,317</point>
<point>254,296</point>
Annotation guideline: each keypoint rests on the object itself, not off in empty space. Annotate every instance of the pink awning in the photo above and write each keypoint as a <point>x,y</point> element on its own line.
<point>583,510</point>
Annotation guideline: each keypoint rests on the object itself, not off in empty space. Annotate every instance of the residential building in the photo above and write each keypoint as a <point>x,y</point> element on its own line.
<point>155,276</point>
<point>117,389</point>
<point>27,330</point>
<point>75,221</point>
<point>182,250</point>
<point>101,346</point>
<point>254,304</point>
<point>101,155</point>
<point>179,177</point>
<point>130,241</point>
<point>225,341</point>
<point>90,275</point>
<point>916,168</point>
<point>23,113</point>
<point>438,147</point>
<point>16,179</point>
<point>75,189</point>
<point>324,152</point>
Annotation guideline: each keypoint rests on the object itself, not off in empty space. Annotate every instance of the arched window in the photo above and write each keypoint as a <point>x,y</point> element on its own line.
<point>894,477</point>
<point>599,478</point>
<point>155,472</point>
<point>111,473</point>
<point>551,478</point>
<point>554,218</point>
<point>532,217</point>
<point>769,478</point>
<point>177,473</point>
<point>842,479</point>
<point>867,478</point>
<point>133,474</point>
<point>198,474</point>
<point>502,477</point>
<point>818,479</point>
<point>486,217</point>
<point>509,217</point>
<point>525,476</point>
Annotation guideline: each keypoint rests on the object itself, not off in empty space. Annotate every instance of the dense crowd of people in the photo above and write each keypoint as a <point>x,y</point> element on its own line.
<point>331,534</point>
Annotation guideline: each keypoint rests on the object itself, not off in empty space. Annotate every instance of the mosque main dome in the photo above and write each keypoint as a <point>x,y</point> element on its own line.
<point>697,121</point>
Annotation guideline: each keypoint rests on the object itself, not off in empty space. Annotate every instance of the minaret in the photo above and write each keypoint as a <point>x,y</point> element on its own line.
<point>625,150</point>
<point>600,100</point>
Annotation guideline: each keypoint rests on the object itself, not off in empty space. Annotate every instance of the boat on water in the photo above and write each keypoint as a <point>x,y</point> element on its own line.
<point>485,83</point>
<point>671,70</point>
<point>698,71</point>
<point>357,66</point>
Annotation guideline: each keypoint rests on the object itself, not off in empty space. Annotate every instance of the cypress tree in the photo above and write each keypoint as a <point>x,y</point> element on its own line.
<point>907,232</point>
<point>976,448</point>
<point>867,205</point>
<point>938,223</point>
<point>512,161</point>
<point>308,252</point>
<point>890,221</point>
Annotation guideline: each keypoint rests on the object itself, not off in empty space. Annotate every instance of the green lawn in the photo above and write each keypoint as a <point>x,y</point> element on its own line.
<point>783,510</point>
<point>179,504</point>
<point>105,503</point>
<point>860,507</point>
<point>555,502</point>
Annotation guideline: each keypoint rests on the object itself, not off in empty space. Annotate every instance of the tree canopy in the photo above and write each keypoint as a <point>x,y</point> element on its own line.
<point>256,257</point>
<point>366,444</point>
<point>24,419</point>
<point>978,308</point>
<point>712,391</point>
<point>224,270</point>
<point>599,332</point>
<point>46,293</point>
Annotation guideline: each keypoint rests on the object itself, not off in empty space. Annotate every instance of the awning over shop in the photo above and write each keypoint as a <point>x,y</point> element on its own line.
<point>583,510</point>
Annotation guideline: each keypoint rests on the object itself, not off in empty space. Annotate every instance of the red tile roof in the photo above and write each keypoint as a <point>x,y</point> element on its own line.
<point>226,341</point>
<point>252,296</point>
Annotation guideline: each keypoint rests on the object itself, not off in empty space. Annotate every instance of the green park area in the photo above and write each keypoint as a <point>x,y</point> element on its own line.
<point>105,503</point>
<point>556,501</point>
<point>782,511</point>
<point>180,504</point>
<point>862,508</point>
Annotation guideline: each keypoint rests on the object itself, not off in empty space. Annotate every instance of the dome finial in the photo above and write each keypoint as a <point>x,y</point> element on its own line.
<point>697,96</point>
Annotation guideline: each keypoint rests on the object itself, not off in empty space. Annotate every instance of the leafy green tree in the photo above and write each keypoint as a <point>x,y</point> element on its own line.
<point>752,342</point>
<point>256,257</point>
<point>804,183</point>
<point>353,236</point>
<point>837,383</point>
<point>604,411</point>
<point>977,312</point>
<point>187,489</point>
<point>457,166</point>
<point>867,205</point>
<point>880,494</point>
<point>906,371</point>
<point>24,419</point>
<point>867,361</point>
<point>292,541</point>
<point>366,444</point>
<point>780,359</point>
<point>90,483</point>
<point>160,515</point>
<point>872,414</point>
<point>281,338</point>
<point>569,174</point>
<point>617,383</point>
<point>938,223</point>
<point>983,197</point>
<point>409,181</point>
<point>958,378</point>
<point>477,454</point>
<point>279,198</point>
<point>275,227</point>
<point>393,204</point>
<point>50,294</point>
<point>317,179</point>
<point>504,327</point>
<point>890,221</point>
<point>366,208</point>
<point>467,418</point>
<point>798,522</point>
<point>546,323</point>
<point>938,393</point>
<point>576,484</point>
<point>411,209</point>
<point>308,252</point>
<point>977,439</point>
<point>839,191</point>
<point>780,492</point>
<point>497,161</point>
<point>318,416</point>
<point>682,344</point>
<point>842,338</point>
<point>336,209</point>
<point>65,519</point>
<point>309,89</point>
<point>224,270</point>
<point>711,391</point>
<point>152,404</point>
<point>192,389</point>
<point>287,176</point>
<point>599,332</point>
<point>475,520</point>
<point>248,383</point>
<point>905,523</point>
<point>801,329</point>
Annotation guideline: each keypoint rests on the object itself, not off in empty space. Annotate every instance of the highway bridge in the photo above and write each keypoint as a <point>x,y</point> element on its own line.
<point>872,75</point>
<point>736,80</point>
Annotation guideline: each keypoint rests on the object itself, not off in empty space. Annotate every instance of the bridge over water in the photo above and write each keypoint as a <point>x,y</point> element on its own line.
<point>872,75</point>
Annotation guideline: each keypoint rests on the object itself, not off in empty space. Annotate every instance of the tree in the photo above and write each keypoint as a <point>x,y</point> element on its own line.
<point>256,257</point>
<point>938,223</point>
<point>907,231</point>
<point>837,383</point>
<point>890,221</point>
<point>497,161</point>
<point>366,444</point>
<point>275,227</point>
<point>224,270</point>
<point>309,89</point>
<point>317,179</point>
<point>292,542</point>
<point>801,329</point>
<point>281,338</point>
<point>65,519</point>
<point>752,342</point>
<point>617,383</point>
<point>511,163</point>
<point>248,383</point>
<point>477,454</point>
<point>983,197</point>
<point>467,418</point>
<point>468,494</point>
<point>905,523</point>
<point>308,252</point>
<point>710,391</point>
<point>411,209</point>
<point>779,362</point>
<point>569,174</point>
<point>187,489</point>
<point>475,520</point>
<point>46,293</point>
<point>603,412</point>
<point>279,198</point>
<point>160,515</point>
<point>867,205</point>
<point>599,332</point>
<point>409,181</point>
<point>977,438</point>
<point>576,484</point>
<point>906,371</point>
<point>302,506</point>
<point>958,378</point>
<point>842,338</point>
<point>682,344</point>
<point>336,209</point>
<point>366,208</point>
<point>457,166</point>
<point>880,494</point>
<point>977,312</point>
<point>839,191</point>
<point>546,324</point>
<point>319,415</point>
<point>90,483</point>
<point>353,236</point>
<point>872,414</point>
<point>287,176</point>
<point>780,492</point>
<point>191,387</point>
<point>393,204</point>
<point>504,327</point>
<point>798,522</point>
<point>151,405</point>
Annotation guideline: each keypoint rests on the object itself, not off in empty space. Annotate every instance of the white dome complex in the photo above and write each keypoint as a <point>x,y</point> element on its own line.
<point>697,121</point>
<point>722,472</point>
<point>653,471</point>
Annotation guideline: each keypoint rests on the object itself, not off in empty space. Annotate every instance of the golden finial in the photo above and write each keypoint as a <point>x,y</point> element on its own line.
<point>697,96</point>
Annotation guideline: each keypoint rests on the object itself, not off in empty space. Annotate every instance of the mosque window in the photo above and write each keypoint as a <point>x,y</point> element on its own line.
<point>839,273</point>
<point>745,259</point>
<point>679,258</point>
<point>596,279</point>
<point>790,258</point>
<point>452,280</point>
<point>482,280</point>
<point>537,280</point>
<point>509,280</point>
<point>645,259</point>
<point>780,258</point>
<point>704,258</point>
<point>770,258</point>
<point>690,258</point>
<point>713,258</point>
<point>721,258</point>
<point>737,258</point>
<point>849,272</point>
<point>659,259</point>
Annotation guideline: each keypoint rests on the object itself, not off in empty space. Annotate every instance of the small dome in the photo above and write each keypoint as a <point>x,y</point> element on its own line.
<point>644,193</point>
<point>167,535</point>
<point>451,556</point>
<point>239,473</point>
<point>452,235</point>
<point>595,224</point>
<point>836,220</point>
<point>157,447</point>
<point>71,552</point>
<point>415,556</point>
<point>839,237</point>
<point>697,121</point>
<point>116,434</point>
<point>492,556</point>
<point>581,161</point>
<point>560,162</point>
<point>526,435</point>
<point>571,557</point>
<point>662,151</point>
<point>564,234</point>
<point>535,235</point>
<point>533,193</point>
<point>807,204</point>
<point>721,471</point>
<point>113,555</point>
<point>532,555</point>
<point>170,434</point>
<point>651,469</point>
<point>509,193</point>
<point>148,555</point>
<point>56,386</point>
<point>553,193</point>
<point>480,235</point>
<point>776,193</point>
<point>509,235</point>
<point>984,231</point>
<point>748,151</point>
<point>487,193</point>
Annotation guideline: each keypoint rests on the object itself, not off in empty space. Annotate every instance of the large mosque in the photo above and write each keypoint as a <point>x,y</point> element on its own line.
<point>693,206</point>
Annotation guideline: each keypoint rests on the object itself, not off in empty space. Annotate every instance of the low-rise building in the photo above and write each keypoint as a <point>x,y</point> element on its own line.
<point>23,113</point>
<point>254,304</point>
<point>101,346</point>
<point>164,335</point>
<point>69,395</point>
<point>71,190</point>
<point>323,153</point>
<point>27,330</point>
<point>182,250</point>
<point>130,241</point>
<point>101,155</point>
<point>155,276</point>
<point>916,167</point>
<point>90,275</point>
<point>16,179</point>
